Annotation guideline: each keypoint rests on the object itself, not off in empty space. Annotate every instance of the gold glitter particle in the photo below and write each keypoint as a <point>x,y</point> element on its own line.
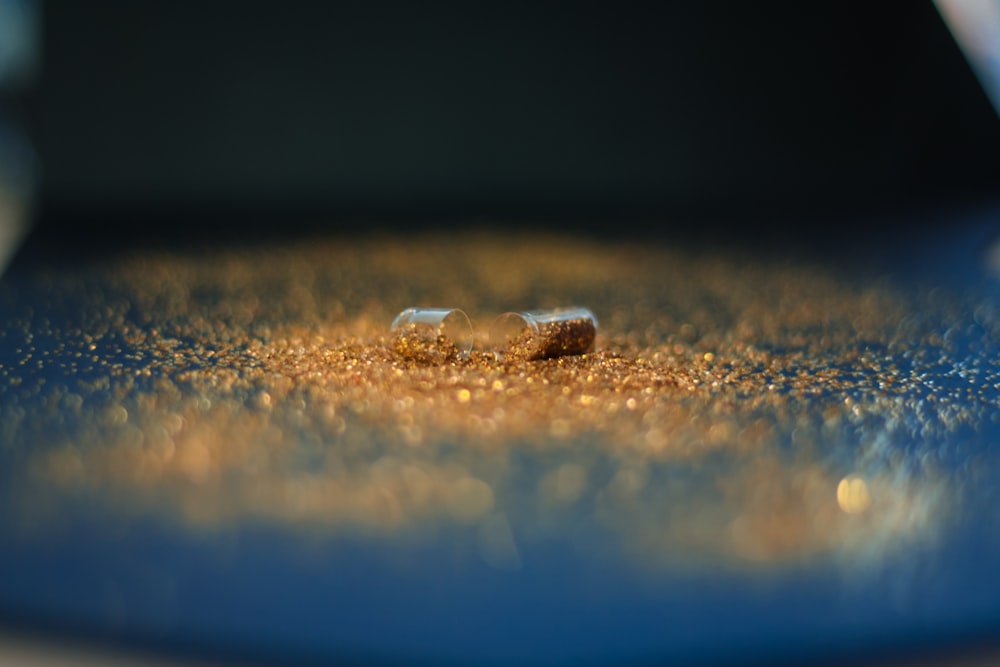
<point>853,495</point>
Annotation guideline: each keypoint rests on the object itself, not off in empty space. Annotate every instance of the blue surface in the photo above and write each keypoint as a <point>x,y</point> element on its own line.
<point>263,591</point>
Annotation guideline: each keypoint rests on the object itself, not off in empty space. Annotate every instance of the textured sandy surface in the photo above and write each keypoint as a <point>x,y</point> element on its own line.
<point>735,409</point>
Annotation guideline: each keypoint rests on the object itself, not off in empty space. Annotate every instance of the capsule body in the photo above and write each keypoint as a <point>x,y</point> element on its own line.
<point>541,334</point>
<point>432,335</point>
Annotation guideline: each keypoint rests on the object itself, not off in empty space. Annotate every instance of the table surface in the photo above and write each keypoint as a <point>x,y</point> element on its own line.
<point>216,452</point>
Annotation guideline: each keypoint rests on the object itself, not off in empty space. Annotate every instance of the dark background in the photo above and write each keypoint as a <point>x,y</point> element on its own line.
<point>806,120</point>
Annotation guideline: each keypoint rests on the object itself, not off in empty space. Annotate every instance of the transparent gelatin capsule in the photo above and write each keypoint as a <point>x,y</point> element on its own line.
<point>432,335</point>
<point>541,334</point>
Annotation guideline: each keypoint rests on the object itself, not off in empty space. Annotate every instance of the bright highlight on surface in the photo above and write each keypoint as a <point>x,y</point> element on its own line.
<point>853,495</point>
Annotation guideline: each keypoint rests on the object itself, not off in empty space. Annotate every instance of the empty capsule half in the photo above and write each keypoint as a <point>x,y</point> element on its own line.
<point>541,334</point>
<point>432,335</point>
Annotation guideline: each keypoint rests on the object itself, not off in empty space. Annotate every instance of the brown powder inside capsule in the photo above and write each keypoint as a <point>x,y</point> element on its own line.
<point>522,347</point>
<point>552,339</point>
<point>414,347</point>
<point>572,336</point>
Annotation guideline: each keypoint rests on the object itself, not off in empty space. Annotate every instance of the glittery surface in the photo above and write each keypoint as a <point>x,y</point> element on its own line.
<point>736,412</point>
<point>259,383</point>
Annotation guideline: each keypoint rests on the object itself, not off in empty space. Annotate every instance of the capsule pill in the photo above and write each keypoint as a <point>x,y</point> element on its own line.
<point>432,335</point>
<point>543,334</point>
